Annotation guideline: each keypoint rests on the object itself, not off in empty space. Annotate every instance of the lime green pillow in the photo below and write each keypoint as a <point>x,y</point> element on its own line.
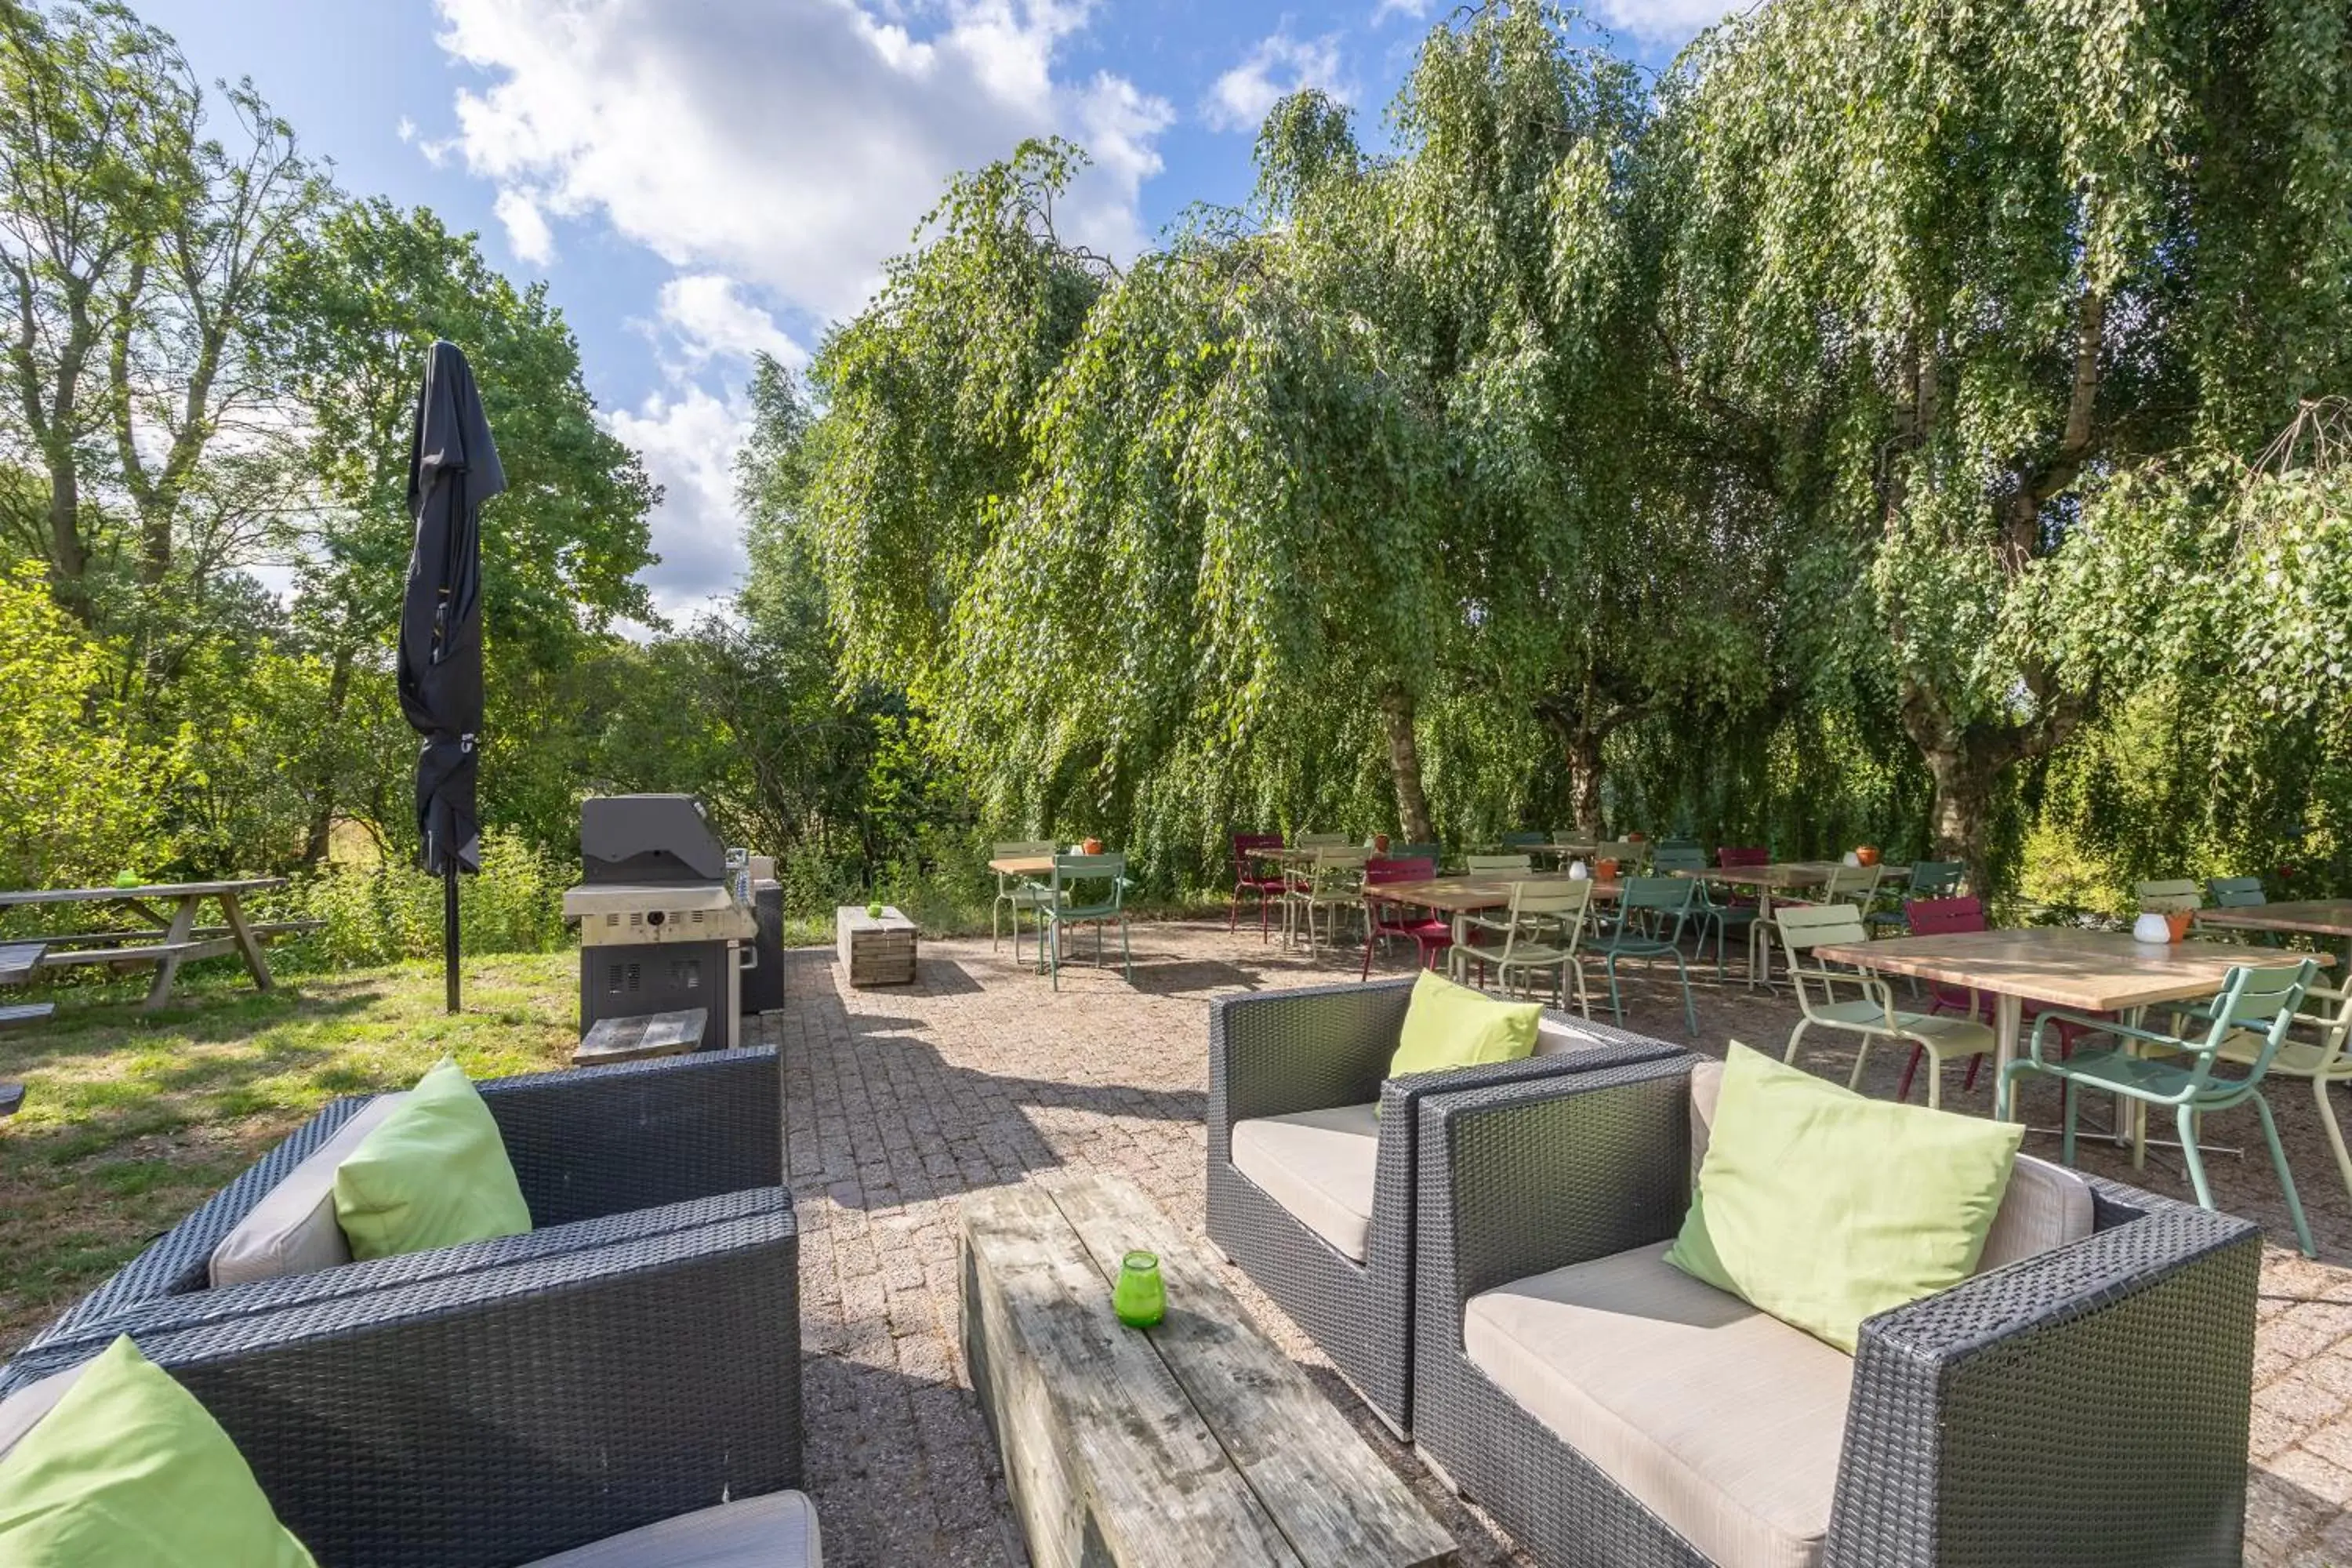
<point>1449,1026</point>
<point>1823,1207</point>
<point>130,1468</point>
<point>434,1174</point>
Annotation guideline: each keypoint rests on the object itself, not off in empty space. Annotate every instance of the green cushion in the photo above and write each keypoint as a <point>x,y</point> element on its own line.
<point>1823,1207</point>
<point>434,1174</point>
<point>1449,1026</point>
<point>130,1468</point>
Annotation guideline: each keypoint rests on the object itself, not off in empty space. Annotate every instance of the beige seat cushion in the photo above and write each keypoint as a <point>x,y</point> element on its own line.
<point>1553,1037</point>
<point>2046,1205</point>
<point>1723,1422</point>
<point>778,1530</point>
<point>22,1411</point>
<point>1321,1166</point>
<point>292,1229</point>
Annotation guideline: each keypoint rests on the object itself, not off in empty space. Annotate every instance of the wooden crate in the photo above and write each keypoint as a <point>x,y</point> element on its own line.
<point>874,951</point>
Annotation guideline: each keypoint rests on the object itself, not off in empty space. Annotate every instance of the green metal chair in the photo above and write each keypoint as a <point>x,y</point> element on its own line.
<point>1873,1014</point>
<point>1432,853</point>
<point>1929,879</point>
<point>2251,1019</point>
<point>1651,914</point>
<point>2172,897</point>
<point>1012,891</point>
<point>1086,889</point>
<point>1322,841</point>
<point>1542,933</point>
<point>1630,853</point>
<point>1489,865</point>
<point>1673,857</point>
<point>1331,885</point>
<point>2236,893</point>
<point>1525,841</point>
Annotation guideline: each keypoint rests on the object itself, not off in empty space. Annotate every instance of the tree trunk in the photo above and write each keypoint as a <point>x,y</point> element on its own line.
<point>1404,765</point>
<point>322,804</point>
<point>1584,780</point>
<point>1961,815</point>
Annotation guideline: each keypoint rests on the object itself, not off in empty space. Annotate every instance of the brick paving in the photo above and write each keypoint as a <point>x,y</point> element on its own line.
<point>902,1099</point>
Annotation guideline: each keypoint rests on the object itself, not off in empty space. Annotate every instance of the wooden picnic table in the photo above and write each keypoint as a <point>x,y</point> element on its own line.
<point>2307,916</point>
<point>2084,970</point>
<point>175,938</point>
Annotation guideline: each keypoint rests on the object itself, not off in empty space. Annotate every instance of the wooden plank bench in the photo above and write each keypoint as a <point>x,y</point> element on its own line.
<point>1194,1442</point>
<point>264,930</point>
<point>12,1095</point>
<point>635,1040</point>
<point>18,959</point>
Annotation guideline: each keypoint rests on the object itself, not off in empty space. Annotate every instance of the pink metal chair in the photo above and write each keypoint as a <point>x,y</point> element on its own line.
<point>1251,876</point>
<point>1429,933</point>
<point>1939,917</point>
<point>1731,855</point>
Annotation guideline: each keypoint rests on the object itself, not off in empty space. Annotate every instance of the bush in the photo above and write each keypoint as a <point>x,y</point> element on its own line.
<point>381,913</point>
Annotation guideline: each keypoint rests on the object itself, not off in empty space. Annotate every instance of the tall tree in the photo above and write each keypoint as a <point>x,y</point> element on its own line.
<point>1954,264</point>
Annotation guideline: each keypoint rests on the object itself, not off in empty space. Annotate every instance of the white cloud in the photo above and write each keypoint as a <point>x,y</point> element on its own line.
<point>1387,8</point>
<point>792,145</point>
<point>710,318</point>
<point>1277,68</point>
<point>688,438</point>
<point>1665,21</point>
<point>406,130</point>
<point>527,232</point>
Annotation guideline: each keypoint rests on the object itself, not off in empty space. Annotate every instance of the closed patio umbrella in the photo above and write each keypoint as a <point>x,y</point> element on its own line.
<point>453,468</point>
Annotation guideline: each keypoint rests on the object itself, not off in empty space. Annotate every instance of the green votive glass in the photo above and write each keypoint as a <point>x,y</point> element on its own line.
<point>1139,1297</point>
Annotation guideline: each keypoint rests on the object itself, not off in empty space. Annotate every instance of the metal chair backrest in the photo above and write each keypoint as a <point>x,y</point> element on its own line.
<point>1744,855</point>
<point>1804,927</point>
<point>1677,841</point>
<point>1943,917</point>
<point>1399,868</point>
<point>1629,853</point>
<point>1667,895</point>
<point>1479,863</point>
<point>2179,896</point>
<point>1564,836</point>
<point>2236,893</point>
<point>1430,852</point>
<point>1524,840</point>
<point>2258,999</point>
<point>1077,870</point>
<point>1318,840</point>
<point>1671,857</point>
<point>1936,879</point>
<point>1246,846</point>
<point>1021,849</point>
<point>1855,882</point>
<point>1547,914</point>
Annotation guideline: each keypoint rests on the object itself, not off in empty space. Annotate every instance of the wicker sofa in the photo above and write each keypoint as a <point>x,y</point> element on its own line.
<point>633,1358</point>
<point>603,1155</point>
<point>1314,1199</point>
<point>2087,1403</point>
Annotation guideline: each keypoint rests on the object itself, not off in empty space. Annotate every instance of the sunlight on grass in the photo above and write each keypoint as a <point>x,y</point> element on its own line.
<point>132,1119</point>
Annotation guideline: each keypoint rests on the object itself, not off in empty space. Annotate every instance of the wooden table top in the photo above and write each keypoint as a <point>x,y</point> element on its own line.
<point>1195,1441</point>
<point>1487,890</point>
<point>1789,874</point>
<point>2092,971</point>
<point>1023,864</point>
<point>144,890</point>
<point>2318,917</point>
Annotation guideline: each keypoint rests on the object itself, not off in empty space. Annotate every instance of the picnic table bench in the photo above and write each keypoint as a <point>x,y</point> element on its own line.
<point>18,962</point>
<point>173,939</point>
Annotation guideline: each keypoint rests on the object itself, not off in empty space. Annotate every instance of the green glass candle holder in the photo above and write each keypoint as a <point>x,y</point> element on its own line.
<point>1140,1297</point>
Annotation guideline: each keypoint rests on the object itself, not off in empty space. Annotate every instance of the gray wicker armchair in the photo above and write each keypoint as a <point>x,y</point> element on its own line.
<point>2084,1403</point>
<point>510,1414</point>
<point>1318,1210</point>
<point>603,1155</point>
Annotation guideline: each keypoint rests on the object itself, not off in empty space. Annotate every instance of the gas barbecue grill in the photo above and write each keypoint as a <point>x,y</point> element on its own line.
<point>664,913</point>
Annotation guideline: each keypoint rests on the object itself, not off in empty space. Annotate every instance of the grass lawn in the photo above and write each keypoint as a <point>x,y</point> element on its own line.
<point>132,1119</point>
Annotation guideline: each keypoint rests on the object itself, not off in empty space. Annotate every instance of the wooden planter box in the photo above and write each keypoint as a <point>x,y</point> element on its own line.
<point>874,951</point>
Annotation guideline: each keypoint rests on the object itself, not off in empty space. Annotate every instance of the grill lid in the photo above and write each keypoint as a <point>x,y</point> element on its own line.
<point>648,839</point>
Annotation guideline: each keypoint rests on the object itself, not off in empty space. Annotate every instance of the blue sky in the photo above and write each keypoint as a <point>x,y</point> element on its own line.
<point>700,179</point>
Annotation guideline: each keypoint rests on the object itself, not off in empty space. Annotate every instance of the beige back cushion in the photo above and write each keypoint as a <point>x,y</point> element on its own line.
<point>1553,1036</point>
<point>22,1411</point>
<point>2046,1205</point>
<point>292,1229</point>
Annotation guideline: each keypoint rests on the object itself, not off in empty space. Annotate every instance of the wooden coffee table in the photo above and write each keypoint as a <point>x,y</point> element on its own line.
<point>1196,1442</point>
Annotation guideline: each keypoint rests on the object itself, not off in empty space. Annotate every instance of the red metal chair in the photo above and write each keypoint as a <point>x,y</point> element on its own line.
<point>1939,917</point>
<point>1251,876</point>
<point>1731,855</point>
<point>1430,934</point>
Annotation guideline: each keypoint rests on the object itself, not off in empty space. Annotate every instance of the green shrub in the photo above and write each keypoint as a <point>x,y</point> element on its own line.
<point>381,913</point>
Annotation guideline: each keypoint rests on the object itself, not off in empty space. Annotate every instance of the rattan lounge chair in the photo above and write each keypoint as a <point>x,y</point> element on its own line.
<point>1310,1194</point>
<point>2085,1402</point>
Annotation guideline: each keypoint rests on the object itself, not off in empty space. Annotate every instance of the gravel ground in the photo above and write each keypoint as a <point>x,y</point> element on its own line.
<point>900,1100</point>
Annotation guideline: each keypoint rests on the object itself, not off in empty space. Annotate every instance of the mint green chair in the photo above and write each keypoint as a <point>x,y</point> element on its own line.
<point>1651,914</point>
<point>2236,893</point>
<point>1672,859</point>
<point>2250,1017</point>
<point>1432,852</point>
<point>1014,893</point>
<point>1086,889</point>
<point>1929,879</point>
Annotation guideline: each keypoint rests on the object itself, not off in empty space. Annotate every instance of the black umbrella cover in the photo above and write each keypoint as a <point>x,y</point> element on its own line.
<point>453,468</point>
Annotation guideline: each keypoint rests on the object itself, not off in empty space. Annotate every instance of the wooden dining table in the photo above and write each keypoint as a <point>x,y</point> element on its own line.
<point>2083,971</point>
<point>1778,877</point>
<point>1464,895</point>
<point>2303,917</point>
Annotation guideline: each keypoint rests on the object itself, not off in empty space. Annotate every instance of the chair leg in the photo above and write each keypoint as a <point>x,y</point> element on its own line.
<point>2185,1120</point>
<point>2066,1139</point>
<point>1616,1004</point>
<point>1935,1085</point>
<point>1366,975</point>
<point>2286,1176</point>
<point>994,905</point>
<point>1861,1059</point>
<point>2335,1133</point>
<point>1690,1003</point>
<point>1910,1070</point>
<point>1795,1034</point>
<point>1126,951</point>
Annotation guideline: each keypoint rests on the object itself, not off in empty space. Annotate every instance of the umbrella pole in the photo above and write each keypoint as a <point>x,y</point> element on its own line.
<point>449,927</point>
